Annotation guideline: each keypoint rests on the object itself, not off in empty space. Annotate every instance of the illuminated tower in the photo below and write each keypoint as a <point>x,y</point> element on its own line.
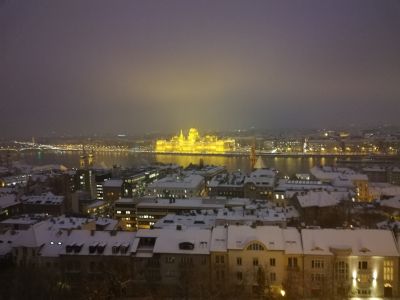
<point>181,138</point>
<point>305,145</point>
<point>82,159</point>
<point>90,159</point>
<point>193,135</point>
<point>253,157</point>
<point>259,164</point>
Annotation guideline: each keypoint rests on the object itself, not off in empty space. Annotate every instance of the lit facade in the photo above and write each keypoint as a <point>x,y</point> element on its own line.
<point>193,143</point>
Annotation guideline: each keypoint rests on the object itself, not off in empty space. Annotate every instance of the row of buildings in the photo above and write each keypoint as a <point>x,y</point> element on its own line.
<point>237,260</point>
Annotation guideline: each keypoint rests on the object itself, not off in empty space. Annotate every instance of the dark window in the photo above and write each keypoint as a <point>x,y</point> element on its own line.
<point>272,262</point>
<point>239,261</point>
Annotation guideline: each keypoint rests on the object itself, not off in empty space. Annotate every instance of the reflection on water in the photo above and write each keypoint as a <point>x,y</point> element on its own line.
<point>286,165</point>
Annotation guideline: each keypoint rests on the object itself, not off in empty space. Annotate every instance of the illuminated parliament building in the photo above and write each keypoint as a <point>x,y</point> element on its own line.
<point>193,143</point>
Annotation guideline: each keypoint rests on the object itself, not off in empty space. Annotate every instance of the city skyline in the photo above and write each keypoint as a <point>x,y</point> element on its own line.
<point>129,67</point>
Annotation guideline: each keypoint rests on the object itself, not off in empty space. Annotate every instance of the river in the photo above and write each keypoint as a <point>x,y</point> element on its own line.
<point>286,165</point>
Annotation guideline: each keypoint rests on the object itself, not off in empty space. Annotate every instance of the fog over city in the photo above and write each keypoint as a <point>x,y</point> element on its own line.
<point>76,67</point>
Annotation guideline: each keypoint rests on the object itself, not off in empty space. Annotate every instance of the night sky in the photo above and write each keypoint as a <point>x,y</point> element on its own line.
<point>83,67</point>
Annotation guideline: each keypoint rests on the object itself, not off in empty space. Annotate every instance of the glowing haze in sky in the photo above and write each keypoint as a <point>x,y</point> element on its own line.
<point>71,67</point>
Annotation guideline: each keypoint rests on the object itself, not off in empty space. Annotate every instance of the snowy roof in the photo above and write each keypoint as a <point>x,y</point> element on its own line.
<point>124,201</point>
<point>262,177</point>
<point>328,173</point>
<point>185,241</point>
<point>264,172</point>
<point>25,219</point>
<point>272,237</point>
<point>384,189</point>
<point>235,179</point>
<point>317,199</point>
<point>392,202</point>
<point>302,185</point>
<point>7,200</point>
<point>191,181</point>
<point>374,169</point>
<point>44,199</point>
<point>47,168</point>
<point>209,170</point>
<point>186,221</point>
<point>292,240</point>
<point>113,183</point>
<point>238,214</point>
<point>191,203</point>
<point>63,222</point>
<point>91,242</point>
<point>360,242</point>
<point>219,239</point>
<point>7,240</point>
<point>97,203</point>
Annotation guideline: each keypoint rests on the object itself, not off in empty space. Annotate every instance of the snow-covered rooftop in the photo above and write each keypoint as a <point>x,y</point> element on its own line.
<point>185,241</point>
<point>317,199</point>
<point>191,181</point>
<point>329,173</point>
<point>272,237</point>
<point>7,200</point>
<point>392,202</point>
<point>360,242</point>
<point>113,183</point>
<point>91,242</point>
<point>45,199</point>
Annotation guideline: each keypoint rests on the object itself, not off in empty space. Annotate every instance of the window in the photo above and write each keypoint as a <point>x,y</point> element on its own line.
<point>364,292</point>
<point>169,259</point>
<point>255,261</point>
<point>239,276</point>
<point>363,265</point>
<point>317,277</point>
<point>292,262</point>
<point>273,277</point>
<point>219,259</point>
<point>186,246</point>
<point>388,270</point>
<point>239,261</point>
<point>255,247</point>
<point>341,271</point>
<point>186,261</point>
<point>272,262</point>
<point>317,264</point>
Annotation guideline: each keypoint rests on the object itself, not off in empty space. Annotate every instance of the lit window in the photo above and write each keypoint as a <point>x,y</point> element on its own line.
<point>363,265</point>
<point>388,270</point>
<point>341,271</point>
<point>255,247</point>
<point>317,264</point>
<point>128,212</point>
<point>118,212</point>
